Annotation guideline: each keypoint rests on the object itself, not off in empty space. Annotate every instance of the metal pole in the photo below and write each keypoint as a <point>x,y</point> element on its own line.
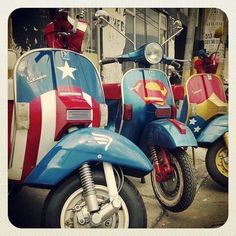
<point>189,43</point>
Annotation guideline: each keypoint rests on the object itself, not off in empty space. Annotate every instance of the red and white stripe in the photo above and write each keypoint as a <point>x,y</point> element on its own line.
<point>32,145</point>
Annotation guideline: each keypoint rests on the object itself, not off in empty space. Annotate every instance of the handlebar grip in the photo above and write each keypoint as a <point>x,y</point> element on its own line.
<point>175,64</point>
<point>108,60</point>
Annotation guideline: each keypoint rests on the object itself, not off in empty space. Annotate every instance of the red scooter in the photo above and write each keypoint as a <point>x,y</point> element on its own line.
<point>205,111</point>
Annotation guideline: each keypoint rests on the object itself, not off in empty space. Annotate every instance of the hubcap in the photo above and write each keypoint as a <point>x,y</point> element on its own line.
<point>222,161</point>
<point>75,214</point>
<point>171,184</point>
<point>170,191</point>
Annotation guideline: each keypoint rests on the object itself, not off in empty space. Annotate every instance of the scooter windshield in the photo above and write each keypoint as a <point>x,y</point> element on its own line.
<point>67,72</point>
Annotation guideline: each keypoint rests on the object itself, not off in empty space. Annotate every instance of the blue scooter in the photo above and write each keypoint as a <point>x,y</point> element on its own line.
<point>56,140</point>
<point>143,110</point>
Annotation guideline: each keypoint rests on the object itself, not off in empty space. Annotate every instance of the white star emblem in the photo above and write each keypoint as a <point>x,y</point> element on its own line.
<point>192,121</point>
<point>197,129</point>
<point>67,71</point>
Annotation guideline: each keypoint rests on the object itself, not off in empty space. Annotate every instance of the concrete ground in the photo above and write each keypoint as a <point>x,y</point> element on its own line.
<point>209,209</point>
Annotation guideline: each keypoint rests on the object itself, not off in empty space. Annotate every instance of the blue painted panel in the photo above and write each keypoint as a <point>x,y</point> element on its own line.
<point>34,75</point>
<point>83,73</point>
<point>42,70</point>
<point>88,144</point>
<point>165,134</point>
<point>215,129</point>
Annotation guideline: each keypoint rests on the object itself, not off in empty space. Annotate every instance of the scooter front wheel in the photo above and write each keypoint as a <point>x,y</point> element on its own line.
<point>217,162</point>
<point>178,191</point>
<point>65,207</point>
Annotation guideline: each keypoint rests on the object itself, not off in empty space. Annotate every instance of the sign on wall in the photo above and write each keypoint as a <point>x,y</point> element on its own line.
<point>113,44</point>
<point>214,19</point>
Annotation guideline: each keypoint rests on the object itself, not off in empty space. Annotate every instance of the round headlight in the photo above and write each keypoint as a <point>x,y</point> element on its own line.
<point>153,53</point>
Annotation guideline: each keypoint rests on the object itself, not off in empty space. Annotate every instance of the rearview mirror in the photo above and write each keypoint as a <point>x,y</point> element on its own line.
<point>177,27</point>
<point>101,18</point>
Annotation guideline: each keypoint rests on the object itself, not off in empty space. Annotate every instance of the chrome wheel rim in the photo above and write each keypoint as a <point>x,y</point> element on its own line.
<point>74,213</point>
<point>222,161</point>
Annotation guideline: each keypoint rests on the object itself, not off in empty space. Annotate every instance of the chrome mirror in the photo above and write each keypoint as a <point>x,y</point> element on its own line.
<point>101,18</point>
<point>177,28</point>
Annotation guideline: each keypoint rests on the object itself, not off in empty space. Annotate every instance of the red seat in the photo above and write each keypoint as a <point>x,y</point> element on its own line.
<point>178,92</point>
<point>112,91</point>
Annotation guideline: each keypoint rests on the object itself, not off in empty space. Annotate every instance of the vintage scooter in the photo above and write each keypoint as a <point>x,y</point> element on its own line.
<point>205,111</point>
<point>56,140</point>
<point>142,109</point>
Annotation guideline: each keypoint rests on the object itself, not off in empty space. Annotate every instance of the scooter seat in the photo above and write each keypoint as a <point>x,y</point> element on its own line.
<point>112,91</point>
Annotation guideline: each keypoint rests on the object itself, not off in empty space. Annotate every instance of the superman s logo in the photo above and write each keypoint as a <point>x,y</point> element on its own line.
<point>151,91</point>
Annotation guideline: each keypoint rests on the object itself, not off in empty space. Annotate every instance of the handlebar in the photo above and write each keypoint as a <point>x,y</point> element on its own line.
<point>108,60</point>
<point>175,64</point>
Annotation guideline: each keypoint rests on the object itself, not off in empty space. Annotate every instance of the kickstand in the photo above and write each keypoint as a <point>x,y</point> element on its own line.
<point>143,181</point>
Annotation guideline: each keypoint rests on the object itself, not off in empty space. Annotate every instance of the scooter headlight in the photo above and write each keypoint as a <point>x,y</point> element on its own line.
<point>153,53</point>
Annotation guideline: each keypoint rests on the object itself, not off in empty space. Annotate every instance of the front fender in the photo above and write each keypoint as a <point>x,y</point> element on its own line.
<point>86,145</point>
<point>164,133</point>
<point>215,129</point>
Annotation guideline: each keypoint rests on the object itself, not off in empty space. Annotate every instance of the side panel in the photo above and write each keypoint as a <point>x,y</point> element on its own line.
<point>214,130</point>
<point>165,134</point>
<point>85,145</point>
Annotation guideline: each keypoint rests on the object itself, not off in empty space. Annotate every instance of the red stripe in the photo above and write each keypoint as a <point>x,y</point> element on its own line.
<point>96,113</point>
<point>10,114</point>
<point>33,138</point>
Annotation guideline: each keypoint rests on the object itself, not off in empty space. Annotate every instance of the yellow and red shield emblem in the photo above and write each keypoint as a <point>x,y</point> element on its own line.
<point>151,91</point>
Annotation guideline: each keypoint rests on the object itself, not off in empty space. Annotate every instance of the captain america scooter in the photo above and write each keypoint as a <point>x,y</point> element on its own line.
<point>56,140</point>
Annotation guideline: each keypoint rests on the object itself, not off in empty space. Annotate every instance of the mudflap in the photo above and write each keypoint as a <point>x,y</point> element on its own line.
<point>88,145</point>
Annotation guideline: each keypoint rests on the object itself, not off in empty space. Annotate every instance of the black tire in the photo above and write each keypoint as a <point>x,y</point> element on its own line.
<point>56,199</point>
<point>216,154</point>
<point>177,193</point>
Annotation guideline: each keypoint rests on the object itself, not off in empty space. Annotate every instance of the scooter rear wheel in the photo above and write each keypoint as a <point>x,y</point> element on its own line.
<point>217,162</point>
<point>65,207</point>
<point>178,192</point>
